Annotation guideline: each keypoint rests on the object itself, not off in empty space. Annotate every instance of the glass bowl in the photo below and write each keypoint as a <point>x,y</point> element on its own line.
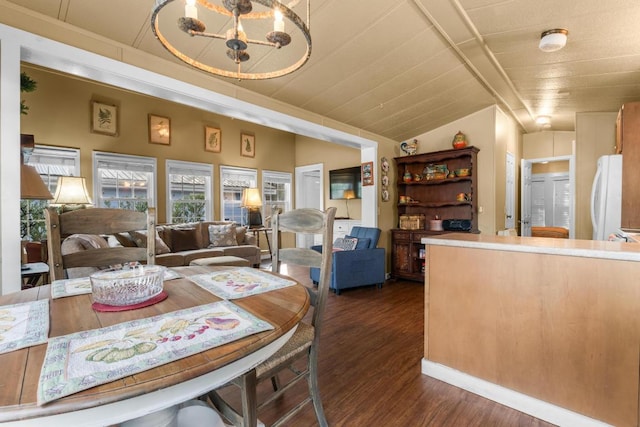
<point>131,286</point>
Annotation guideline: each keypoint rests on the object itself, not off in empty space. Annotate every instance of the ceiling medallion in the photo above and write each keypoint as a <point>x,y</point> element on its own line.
<point>235,38</point>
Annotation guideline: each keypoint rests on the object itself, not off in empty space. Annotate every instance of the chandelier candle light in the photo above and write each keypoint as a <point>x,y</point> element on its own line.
<point>236,39</point>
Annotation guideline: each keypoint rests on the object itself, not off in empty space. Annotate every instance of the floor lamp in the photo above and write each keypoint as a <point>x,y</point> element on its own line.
<point>348,195</point>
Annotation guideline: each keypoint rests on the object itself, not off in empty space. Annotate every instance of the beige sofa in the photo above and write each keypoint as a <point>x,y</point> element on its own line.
<point>179,244</point>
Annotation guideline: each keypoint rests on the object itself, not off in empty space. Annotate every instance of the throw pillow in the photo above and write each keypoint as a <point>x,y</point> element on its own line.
<point>363,242</point>
<point>184,239</point>
<point>241,232</point>
<point>140,238</point>
<point>79,243</point>
<point>125,240</point>
<point>222,235</point>
<point>345,244</point>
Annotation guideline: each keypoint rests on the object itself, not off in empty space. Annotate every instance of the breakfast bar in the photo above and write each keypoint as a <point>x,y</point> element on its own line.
<point>550,327</point>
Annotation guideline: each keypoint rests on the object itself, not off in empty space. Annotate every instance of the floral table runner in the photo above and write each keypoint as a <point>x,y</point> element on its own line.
<point>23,325</point>
<point>82,360</point>
<point>239,282</point>
<point>82,285</point>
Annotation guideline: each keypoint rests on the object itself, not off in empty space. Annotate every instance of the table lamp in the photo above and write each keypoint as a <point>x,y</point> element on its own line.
<point>348,195</point>
<point>252,201</point>
<point>71,193</point>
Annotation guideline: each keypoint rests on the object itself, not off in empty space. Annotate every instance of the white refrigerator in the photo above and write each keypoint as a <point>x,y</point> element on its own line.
<point>606,197</point>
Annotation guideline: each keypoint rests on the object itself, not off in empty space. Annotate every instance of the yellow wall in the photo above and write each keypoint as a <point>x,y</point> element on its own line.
<point>310,151</point>
<point>59,114</point>
<point>551,167</point>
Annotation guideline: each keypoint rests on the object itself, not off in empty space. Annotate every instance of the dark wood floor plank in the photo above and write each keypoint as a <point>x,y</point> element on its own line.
<point>370,373</point>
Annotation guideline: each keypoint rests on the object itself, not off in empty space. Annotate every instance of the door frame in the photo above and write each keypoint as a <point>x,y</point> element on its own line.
<point>525,191</point>
<point>301,240</point>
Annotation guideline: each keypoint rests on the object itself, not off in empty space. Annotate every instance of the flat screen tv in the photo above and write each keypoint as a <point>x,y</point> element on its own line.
<point>341,180</point>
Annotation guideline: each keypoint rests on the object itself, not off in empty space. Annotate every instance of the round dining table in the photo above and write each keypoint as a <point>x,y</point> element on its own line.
<point>155,389</point>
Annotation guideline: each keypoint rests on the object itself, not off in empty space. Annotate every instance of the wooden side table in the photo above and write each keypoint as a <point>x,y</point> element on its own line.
<point>256,232</point>
<point>32,272</point>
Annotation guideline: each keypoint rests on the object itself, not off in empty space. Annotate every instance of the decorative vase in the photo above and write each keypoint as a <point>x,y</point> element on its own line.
<point>407,177</point>
<point>459,140</point>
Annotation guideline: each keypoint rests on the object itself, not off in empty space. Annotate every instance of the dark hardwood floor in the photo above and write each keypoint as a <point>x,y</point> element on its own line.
<point>371,348</point>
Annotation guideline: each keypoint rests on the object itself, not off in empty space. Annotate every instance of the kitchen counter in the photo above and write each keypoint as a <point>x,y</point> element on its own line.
<point>579,248</point>
<point>550,327</point>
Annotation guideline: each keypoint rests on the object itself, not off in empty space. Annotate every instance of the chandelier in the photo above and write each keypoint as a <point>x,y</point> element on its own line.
<point>236,13</point>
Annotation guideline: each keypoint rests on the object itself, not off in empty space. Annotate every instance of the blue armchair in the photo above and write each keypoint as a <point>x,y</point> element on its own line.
<point>359,267</point>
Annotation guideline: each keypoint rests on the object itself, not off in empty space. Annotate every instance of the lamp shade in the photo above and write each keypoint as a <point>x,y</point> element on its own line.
<point>251,198</point>
<point>349,194</point>
<point>72,190</point>
<point>31,184</point>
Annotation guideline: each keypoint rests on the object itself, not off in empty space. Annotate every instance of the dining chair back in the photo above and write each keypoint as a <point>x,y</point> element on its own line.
<point>305,341</point>
<point>97,222</point>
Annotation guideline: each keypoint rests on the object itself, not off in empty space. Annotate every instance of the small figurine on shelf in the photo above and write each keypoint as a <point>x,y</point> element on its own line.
<point>459,140</point>
<point>409,147</point>
<point>407,177</point>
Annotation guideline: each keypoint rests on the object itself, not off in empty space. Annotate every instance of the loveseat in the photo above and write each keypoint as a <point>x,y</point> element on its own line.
<point>357,261</point>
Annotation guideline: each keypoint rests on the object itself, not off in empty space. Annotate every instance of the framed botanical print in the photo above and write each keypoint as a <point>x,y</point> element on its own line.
<point>247,145</point>
<point>367,173</point>
<point>104,118</point>
<point>159,130</point>
<point>212,139</point>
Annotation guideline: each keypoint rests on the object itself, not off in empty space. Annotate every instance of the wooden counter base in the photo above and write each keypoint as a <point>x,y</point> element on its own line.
<point>558,328</point>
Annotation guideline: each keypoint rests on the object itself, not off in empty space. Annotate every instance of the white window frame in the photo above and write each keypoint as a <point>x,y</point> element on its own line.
<point>267,175</point>
<point>129,163</point>
<point>252,181</point>
<point>69,165</point>
<point>195,169</point>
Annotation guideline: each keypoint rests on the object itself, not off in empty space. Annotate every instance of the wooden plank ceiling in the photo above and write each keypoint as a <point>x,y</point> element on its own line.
<point>402,68</point>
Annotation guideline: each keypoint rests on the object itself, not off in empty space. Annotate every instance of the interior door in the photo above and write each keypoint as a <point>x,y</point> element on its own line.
<point>309,185</point>
<point>510,194</point>
<point>525,191</point>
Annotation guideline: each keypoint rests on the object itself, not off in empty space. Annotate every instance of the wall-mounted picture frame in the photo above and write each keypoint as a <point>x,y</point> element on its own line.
<point>367,173</point>
<point>212,139</point>
<point>104,118</point>
<point>247,145</point>
<point>159,130</point>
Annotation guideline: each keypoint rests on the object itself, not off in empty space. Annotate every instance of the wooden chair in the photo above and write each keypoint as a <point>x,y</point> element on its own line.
<point>97,221</point>
<point>305,341</point>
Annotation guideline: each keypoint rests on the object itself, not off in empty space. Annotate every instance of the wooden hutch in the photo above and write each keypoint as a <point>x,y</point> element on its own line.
<point>426,188</point>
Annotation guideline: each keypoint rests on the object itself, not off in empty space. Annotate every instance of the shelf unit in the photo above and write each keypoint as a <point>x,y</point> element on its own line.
<point>431,197</point>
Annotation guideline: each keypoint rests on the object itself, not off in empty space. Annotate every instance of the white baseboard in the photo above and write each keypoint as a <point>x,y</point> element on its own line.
<point>507,397</point>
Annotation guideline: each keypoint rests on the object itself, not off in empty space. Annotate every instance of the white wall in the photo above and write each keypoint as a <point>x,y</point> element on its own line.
<point>493,133</point>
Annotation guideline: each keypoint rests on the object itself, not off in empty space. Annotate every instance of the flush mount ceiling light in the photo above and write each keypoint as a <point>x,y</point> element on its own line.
<point>543,121</point>
<point>552,40</point>
<point>236,43</point>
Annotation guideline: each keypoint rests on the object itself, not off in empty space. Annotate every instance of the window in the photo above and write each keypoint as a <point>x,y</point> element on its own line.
<point>276,192</point>
<point>123,181</point>
<point>51,163</point>
<point>232,182</point>
<point>189,191</point>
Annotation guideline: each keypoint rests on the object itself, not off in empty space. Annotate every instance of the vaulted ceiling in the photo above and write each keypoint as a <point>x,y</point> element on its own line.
<point>402,68</point>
